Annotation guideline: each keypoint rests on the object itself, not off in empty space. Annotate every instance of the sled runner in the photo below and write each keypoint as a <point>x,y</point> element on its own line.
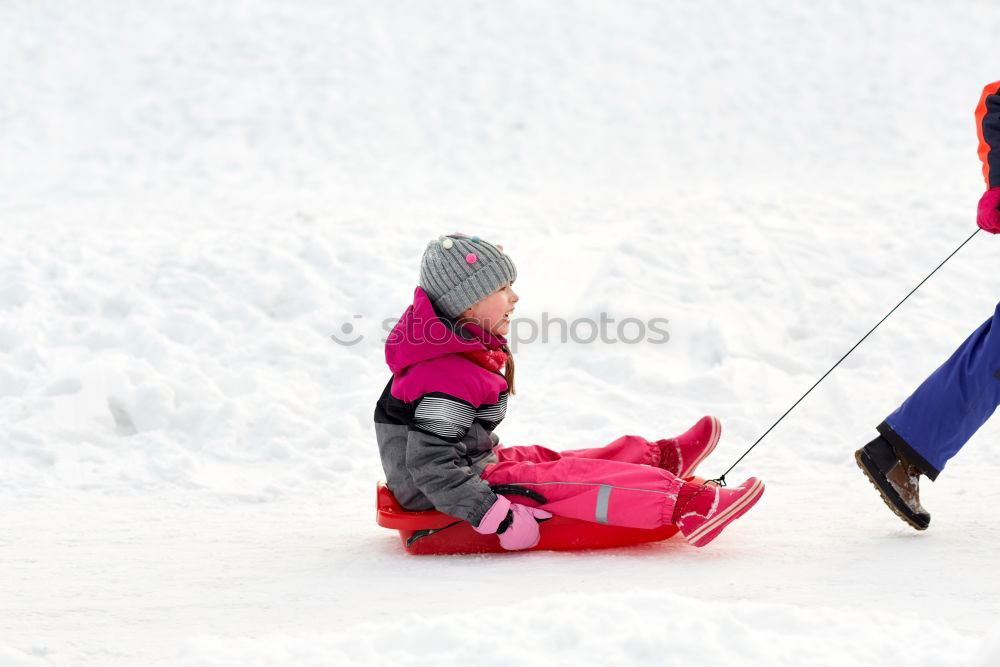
<point>431,532</point>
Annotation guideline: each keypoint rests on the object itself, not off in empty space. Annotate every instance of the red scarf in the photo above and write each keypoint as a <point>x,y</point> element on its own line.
<point>491,360</point>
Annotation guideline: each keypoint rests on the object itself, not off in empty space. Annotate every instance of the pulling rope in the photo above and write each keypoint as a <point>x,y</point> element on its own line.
<point>721,479</point>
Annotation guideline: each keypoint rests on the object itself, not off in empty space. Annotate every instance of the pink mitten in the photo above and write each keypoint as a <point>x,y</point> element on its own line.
<point>516,525</point>
<point>989,215</point>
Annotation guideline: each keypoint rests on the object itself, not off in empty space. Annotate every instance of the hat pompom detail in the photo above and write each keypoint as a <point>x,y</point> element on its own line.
<point>471,258</point>
<point>447,244</point>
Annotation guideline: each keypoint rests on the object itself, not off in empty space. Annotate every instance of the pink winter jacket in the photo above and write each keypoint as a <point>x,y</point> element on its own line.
<point>435,419</point>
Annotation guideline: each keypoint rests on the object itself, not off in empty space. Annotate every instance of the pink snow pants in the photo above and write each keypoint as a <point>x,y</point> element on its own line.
<point>618,484</point>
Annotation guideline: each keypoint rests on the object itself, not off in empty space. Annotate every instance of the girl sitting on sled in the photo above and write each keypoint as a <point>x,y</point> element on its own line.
<point>452,374</point>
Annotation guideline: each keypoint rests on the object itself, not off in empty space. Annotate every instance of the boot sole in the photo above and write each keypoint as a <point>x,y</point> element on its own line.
<point>713,440</point>
<point>888,494</point>
<point>713,528</point>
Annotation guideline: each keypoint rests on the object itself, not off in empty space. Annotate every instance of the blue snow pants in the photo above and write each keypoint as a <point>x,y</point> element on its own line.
<point>933,424</point>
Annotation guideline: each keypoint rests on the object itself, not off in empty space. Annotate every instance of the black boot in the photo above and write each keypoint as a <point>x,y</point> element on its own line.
<point>895,479</point>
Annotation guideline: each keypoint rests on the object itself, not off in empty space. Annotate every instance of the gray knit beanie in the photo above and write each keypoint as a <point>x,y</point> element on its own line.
<point>458,271</point>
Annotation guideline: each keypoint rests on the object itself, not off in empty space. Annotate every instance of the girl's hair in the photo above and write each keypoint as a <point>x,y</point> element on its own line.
<point>508,369</point>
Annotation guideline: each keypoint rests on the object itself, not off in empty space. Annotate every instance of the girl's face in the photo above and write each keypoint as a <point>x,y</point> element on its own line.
<point>493,312</point>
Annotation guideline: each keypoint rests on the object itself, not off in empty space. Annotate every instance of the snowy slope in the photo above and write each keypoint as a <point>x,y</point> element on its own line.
<point>196,197</point>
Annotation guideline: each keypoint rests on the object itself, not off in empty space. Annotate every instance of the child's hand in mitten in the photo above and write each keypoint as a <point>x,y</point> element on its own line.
<point>515,525</point>
<point>989,211</point>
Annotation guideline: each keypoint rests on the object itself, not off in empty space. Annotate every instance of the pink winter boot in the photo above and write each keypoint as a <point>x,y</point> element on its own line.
<point>703,510</point>
<point>681,455</point>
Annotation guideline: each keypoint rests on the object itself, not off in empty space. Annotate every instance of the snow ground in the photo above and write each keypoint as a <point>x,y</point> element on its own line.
<point>196,197</point>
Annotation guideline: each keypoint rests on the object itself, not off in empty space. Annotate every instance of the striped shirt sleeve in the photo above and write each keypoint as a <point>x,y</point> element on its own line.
<point>445,416</point>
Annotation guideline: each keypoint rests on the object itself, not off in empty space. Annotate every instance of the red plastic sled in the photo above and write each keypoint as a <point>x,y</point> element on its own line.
<point>431,532</point>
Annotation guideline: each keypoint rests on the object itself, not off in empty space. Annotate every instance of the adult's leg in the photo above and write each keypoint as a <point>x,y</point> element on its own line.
<point>936,421</point>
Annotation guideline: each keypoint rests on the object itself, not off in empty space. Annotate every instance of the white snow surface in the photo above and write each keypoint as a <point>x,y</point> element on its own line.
<point>195,196</point>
